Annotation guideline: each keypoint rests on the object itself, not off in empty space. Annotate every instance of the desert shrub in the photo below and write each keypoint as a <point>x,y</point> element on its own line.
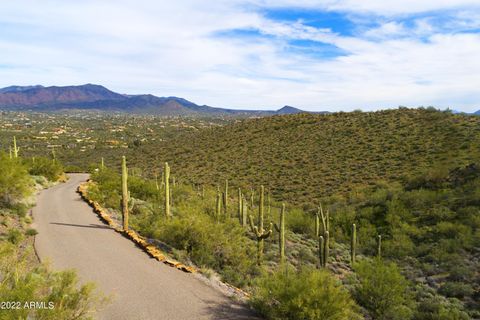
<point>220,246</point>
<point>142,189</point>
<point>31,232</point>
<point>456,289</point>
<point>73,168</point>
<point>299,222</point>
<point>23,282</point>
<point>14,236</point>
<point>107,189</point>
<point>15,183</point>
<point>307,294</point>
<point>399,246</point>
<point>382,290</point>
<point>436,307</point>
<point>19,209</point>
<point>52,170</point>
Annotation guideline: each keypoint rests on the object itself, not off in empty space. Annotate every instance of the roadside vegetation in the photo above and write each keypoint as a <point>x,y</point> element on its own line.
<point>428,258</point>
<point>29,289</point>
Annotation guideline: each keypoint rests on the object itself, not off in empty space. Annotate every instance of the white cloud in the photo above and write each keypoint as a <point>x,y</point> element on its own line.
<point>380,7</point>
<point>142,47</point>
<point>387,30</point>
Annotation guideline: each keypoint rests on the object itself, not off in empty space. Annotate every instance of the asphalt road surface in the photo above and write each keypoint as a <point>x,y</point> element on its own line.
<point>71,236</point>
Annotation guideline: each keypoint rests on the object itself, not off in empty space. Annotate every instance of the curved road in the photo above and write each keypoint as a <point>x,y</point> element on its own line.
<point>71,236</point>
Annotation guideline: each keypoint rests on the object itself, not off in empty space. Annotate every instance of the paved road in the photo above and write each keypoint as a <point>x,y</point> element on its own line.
<point>71,236</point>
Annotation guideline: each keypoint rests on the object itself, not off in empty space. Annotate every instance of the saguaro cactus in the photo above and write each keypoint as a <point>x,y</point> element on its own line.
<point>15,149</point>
<point>218,205</point>
<point>244,211</point>
<point>281,234</point>
<point>353,244</point>
<point>240,206</point>
<point>157,186</point>
<point>379,246</point>
<point>225,199</point>
<point>326,248</point>
<point>125,194</point>
<point>166,175</point>
<point>102,164</point>
<point>321,246</point>
<point>260,233</point>
<point>317,223</point>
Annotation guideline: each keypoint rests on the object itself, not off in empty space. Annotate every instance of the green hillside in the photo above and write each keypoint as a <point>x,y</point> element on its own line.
<point>307,156</point>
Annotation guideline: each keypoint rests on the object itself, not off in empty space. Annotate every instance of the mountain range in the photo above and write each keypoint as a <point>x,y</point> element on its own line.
<point>97,97</point>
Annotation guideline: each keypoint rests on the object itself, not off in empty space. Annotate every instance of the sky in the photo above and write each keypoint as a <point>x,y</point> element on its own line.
<point>252,54</point>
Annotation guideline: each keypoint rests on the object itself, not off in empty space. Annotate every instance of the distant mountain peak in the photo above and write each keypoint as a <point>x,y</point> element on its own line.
<point>289,110</point>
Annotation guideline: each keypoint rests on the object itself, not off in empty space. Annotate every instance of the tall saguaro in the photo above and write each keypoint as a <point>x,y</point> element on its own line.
<point>15,149</point>
<point>225,199</point>
<point>167,190</point>
<point>259,231</point>
<point>379,246</point>
<point>353,245</point>
<point>124,194</point>
<point>240,205</point>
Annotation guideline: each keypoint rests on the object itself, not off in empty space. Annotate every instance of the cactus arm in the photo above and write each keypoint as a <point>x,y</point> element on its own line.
<point>324,222</point>
<point>266,234</point>
<point>317,224</point>
<point>250,220</point>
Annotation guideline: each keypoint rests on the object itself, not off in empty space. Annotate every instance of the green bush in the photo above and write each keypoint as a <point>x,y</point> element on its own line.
<point>14,236</point>
<point>456,289</point>
<point>52,170</point>
<point>220,246</point>
<point>439,308</point>
<point>307,294</point>
<point>382,290</point>
<point>23,282</point>
<point>31,232</point>
<point>300,222</point>
<point>108,188</point>
<point>15,183</point>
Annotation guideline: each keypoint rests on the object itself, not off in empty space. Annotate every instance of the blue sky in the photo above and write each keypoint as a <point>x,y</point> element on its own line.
<point>316,55</point>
